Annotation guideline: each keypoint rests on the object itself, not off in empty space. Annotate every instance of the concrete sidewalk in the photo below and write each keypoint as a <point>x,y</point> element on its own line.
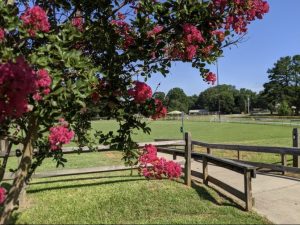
<point>276,197</point>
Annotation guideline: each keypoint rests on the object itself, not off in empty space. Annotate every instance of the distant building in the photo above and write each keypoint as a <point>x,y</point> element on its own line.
<point>198,112</point>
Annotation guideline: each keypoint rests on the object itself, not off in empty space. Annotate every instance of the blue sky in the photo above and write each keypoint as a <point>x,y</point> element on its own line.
<point>245,66</point>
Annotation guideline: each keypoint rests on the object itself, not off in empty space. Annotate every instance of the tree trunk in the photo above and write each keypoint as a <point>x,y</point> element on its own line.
<point>12,201</point>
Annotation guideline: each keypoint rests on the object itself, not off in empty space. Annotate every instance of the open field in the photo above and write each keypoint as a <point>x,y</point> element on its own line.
<point>213,132</point>
<point>119,198</point>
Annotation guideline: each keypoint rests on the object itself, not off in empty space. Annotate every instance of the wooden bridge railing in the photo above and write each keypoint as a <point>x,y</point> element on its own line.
<point>169,146</point>
<point>248,171</point>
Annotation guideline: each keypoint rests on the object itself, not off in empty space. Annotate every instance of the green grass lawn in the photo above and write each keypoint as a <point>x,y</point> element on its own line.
<point>214,132</point>
<point>112,198</point>
<point>254,134</point>
<point>117,198</point>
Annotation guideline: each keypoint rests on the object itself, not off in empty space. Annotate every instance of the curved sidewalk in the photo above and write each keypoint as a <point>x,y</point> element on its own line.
<point>276,197</point>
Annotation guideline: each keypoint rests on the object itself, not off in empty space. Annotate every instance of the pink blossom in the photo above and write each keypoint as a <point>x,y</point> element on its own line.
<point>207,50</point>
<point>151,166</point>
<point>43,78</point>
<point>43,82</point>
<point>121,16</point>
<point>211,77</point>
<point>156,30</point>
<point>192,34</point>
<point>60,135</point>
<point>191,51</point>
<point>35,19</point>
<point>37,97</point>
<point>241,13</point>
<point>2,34</point>
<point>17,82</point>
<point>2,195</point>
<point>220,34</point>
<point>141,92</point>
<point>160,110</point>
<point>78,23</point>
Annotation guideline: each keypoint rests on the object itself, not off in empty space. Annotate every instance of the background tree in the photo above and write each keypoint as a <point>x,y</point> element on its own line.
<point>177,100</point>
<point>161,96</point>
<point>227,94</point>
<point>192,102</point>
<point>283,85</point>
<point>242,100</point>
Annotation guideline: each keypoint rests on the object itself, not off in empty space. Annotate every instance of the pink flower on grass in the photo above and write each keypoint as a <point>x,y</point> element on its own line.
<point>151,166</point>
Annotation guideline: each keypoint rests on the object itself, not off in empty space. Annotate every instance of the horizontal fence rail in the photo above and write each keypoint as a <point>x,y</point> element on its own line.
<point>248,171</point>
<point>103,148</point>
<point>249,148</point>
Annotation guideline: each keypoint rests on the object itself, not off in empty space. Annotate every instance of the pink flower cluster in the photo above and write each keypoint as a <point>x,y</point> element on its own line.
<point>2,195</point>
<point>219,34</point>
<point>156,30</point>
<point>124,30</point>
<point>211,77</point>
<point>35,19</point>
<point>192,38</point>
<point>2,34</point>
<point>141,92</point>
<point>160,110</point>
<point>241,12</point>
<point>60,135</point>
<point>191,34</point>
<point>43,83</point>
<point>151,166</point>
<point>17,81</point>
<point>78,23</point>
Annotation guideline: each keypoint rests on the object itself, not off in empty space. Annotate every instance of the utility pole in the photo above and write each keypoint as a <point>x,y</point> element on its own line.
<point>248,104</point>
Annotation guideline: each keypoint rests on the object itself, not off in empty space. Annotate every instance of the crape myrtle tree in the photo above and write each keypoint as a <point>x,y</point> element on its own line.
<point>62,61</point>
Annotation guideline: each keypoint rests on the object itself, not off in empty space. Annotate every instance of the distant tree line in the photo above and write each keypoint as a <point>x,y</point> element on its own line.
<point>281,93</point>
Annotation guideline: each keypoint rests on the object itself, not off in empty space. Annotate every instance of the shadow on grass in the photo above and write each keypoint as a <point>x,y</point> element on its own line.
<point>205,194</point>
<point>83,185</point>
<point>79,179</point>
<point>14,218</point>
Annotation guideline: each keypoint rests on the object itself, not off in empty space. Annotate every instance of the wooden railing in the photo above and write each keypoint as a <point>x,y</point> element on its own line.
<point>248,169</point>
<point>283,151</point>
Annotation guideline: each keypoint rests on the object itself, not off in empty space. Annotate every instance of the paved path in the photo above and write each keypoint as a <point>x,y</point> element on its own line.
<point>276,197</point>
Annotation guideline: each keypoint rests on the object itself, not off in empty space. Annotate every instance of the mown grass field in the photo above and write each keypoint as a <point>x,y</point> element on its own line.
<point>214,132</point>
<point>118,198</point>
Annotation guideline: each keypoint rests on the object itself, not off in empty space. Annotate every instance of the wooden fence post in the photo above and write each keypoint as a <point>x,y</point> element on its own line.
<point>248,189</point>
<point>187,155</point>
<point>238,155</point>
<point>296,159</point>
<point>283,162</point>
<point>3,144</point>
<point>174,156</point>
<point>205,170</point>
<point>209,151</point>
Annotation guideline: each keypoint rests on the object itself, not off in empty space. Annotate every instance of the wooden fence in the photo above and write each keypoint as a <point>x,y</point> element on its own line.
<point>248,169</point>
